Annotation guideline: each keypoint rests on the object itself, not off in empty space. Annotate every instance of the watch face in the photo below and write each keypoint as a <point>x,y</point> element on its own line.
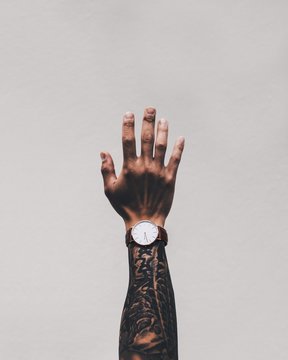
<point>144,232</point>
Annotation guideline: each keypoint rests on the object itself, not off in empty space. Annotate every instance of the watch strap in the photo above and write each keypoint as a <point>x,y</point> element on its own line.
<point>162,236</point>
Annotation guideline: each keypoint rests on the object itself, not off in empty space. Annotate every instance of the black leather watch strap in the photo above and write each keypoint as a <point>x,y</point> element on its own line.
<point>162,235</point>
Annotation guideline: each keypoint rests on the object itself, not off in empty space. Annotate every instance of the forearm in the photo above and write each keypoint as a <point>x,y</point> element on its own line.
<point>143,193</point>
<point>148,326</point>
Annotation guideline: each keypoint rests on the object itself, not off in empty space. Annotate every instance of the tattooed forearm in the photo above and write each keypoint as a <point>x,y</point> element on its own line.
<point>148,326</point>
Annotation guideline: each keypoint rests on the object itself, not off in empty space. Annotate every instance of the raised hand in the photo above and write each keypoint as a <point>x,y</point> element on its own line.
<point>145,187</point>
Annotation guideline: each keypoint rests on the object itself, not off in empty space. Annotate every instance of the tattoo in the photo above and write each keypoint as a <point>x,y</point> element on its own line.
<point>148,328</point>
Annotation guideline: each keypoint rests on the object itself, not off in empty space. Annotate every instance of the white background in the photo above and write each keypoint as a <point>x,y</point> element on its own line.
<point>217,71</point>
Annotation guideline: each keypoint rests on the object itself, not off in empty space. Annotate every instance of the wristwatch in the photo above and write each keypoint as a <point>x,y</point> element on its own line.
<point>145,232</point>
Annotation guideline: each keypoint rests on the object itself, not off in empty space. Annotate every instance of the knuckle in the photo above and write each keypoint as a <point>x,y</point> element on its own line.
<point>149,169</point>
<point>128,168</point>
<point>148,137</point>
<point>128,122</point>
<point>150,118</point>
<point>127,141</point>
<point>138,175</point>
<point>176,158</point>
<point>161,147</point>
<point>104,169</point>
<point>161,177</point>
<point>170,178</point>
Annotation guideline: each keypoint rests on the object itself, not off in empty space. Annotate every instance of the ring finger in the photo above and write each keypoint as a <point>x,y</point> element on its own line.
<point>161,141</point>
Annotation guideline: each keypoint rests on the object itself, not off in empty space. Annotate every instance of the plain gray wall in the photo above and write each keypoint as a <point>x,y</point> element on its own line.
<point>217,71</point>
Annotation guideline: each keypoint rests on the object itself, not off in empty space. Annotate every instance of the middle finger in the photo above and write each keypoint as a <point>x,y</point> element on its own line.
<point>147,133</point>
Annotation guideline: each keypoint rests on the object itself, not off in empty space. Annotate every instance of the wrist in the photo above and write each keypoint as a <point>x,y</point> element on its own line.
<point>160,221</point>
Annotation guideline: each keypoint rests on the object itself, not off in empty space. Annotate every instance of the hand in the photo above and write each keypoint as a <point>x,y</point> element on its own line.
<point>145,187</point>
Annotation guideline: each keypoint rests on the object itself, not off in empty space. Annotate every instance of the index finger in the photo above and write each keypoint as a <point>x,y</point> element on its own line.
<point>128,137</point>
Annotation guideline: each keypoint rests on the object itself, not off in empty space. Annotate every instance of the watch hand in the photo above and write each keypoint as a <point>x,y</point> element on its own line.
<point>145,236</point>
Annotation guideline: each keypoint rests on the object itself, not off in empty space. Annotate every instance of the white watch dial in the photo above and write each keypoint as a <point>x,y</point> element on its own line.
<point>144,232</point>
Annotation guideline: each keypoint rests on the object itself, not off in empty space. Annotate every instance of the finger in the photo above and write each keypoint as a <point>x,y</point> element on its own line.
<point>161,141</point>
<point>175,158</point>
<point>147,133</point>
<point>128,137</point>
<point>108,171</point>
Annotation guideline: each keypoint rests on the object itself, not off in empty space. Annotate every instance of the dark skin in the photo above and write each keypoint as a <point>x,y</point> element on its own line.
<point>145,189</point>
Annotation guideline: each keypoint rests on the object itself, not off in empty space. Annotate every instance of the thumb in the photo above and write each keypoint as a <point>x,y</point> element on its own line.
<point>108,171</point>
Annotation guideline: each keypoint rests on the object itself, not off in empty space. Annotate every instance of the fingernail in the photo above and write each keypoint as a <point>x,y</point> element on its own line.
<point>150,110</point>
<point>103,156</point>
<point>129,115</point>
<point>163,122</point>
<point>181,140</point>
